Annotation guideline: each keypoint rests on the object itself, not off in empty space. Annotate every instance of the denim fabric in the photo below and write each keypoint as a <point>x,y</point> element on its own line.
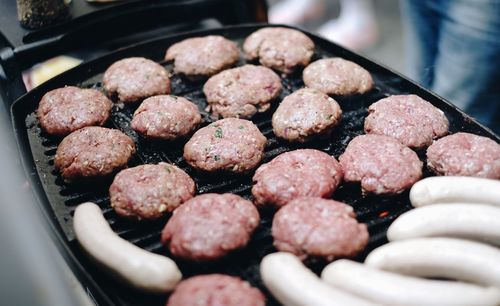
<point>454,49</point>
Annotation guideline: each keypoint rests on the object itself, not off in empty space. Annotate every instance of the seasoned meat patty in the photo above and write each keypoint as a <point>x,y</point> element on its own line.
<point>318,227</point>
<point>231,144</point>
<point>465,154</point>
<point>210,226</point>
<point>282,49</point>
<point>408,118</point>
<point>166,117</point>
<point>305,114</point>
<point>215,290</point>
<point>337,76</point>
<point>64,110</point>
<point>294,174</point>
<point>92,152</point>
<point>136,78</point>
<point>203,56</point>
<point>149,191</point>
<point>381,163</point>
<point>242,92</point>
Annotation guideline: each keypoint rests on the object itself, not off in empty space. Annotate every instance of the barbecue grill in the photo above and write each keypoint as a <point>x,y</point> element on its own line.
<point>58,200</point>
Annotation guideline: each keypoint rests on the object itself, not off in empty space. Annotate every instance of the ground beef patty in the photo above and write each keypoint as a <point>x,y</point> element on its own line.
<point>465,154</point>
<point>136,78</point>
<point>231,144</point>
<point>282,49</point>
<point>149,191</point>
<point>318,227</point>
<point>92,152</point>
<point>298,173</point>
<point>337,76</point>
<point>166,117</point>
<point>215,290</point>
<point>210,226</point>
<point>408,118</point>
<point>64,110</point>
<point>381,164</point>
<point>305,114</point>
<point>241,92</point>
<point>203,56</point>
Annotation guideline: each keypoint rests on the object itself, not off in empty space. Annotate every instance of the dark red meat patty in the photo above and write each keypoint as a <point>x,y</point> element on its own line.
<point>166,117</point>
<point>210,226</point>
<point>136,78</point>
<point>242,92</point>
<point>282,49</point>
<point>305,114</point>
<point>93,152</point>
<point>203,56</point>
<point>410,119</point>
<point>381,164</point>
<point>230,144</point>
<point>215,290</point>
<point>294,174</point>
<point>318,227</point>
<point>149,191</point>
<point>64,110</point>
<point>465,154</point>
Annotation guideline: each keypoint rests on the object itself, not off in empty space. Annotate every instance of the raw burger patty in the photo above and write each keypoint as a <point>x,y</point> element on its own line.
<point>465,154</point>
<point>166,117</point>
<point>210,226</point>
<point>318,227</point>
<point>294,174</point>
<point>231,144</point>
<point>136,78</point>
<point>242,92</point>
<point>92,152</point>
<point>282,49</point>
<point>203,56</point>
<point>149,191</point>
<point>64,110</point>
<point>304,114</point>
<point>337,76</point>
<point>408,118</point>
<point>215,290</point>
<point>381,163</point>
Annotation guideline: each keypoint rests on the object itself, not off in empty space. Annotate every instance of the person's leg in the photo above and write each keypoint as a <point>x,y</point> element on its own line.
<point>467,70</point>
<point>421,22</point>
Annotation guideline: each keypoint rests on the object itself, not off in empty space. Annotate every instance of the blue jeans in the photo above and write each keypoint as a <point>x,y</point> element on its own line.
<point>454,50</point>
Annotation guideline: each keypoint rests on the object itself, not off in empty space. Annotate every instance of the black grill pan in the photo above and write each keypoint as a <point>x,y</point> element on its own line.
<point>59,200</point>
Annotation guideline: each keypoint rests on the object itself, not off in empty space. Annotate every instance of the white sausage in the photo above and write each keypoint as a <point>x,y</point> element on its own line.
<point>394,289</point>
<point>131,264</point>
<point>446,189</point>
<point>293,284</point>
<point>440,257</point>
<point>470,221</point>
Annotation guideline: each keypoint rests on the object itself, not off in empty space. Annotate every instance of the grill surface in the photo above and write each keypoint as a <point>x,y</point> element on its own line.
<point>376,211</point>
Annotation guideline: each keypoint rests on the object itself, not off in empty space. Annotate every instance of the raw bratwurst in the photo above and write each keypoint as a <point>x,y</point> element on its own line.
<point>282,49</point>
<point>381,164</point>
<point>203,56</point>
<point>92,152</point>
<point>136,78</point>
<point>304,114</point>
<point>231,144</point>
<point>318,227</point>
<point>209,226</point>
<point>150,191</point>
<point>294,174</point>
<point>242,92</point>
<point>64,110</point>
<point>465,154</point>
<point>410,119</point>
<point>166,117</point>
